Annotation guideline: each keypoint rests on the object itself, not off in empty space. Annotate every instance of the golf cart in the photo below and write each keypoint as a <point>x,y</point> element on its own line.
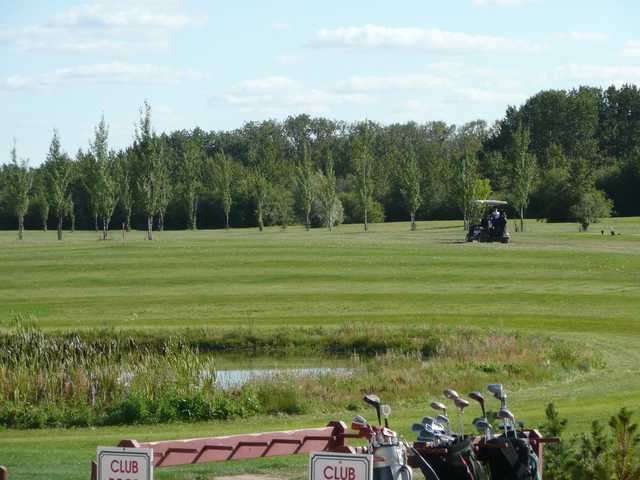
<point>493,226</point>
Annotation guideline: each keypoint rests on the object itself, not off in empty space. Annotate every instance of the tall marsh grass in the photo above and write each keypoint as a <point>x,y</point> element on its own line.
<point>113,377</point>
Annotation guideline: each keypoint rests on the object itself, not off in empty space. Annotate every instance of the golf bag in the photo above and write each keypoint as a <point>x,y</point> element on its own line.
<point>391,463</point>
<point>515,462</point>
<point>460,463</point>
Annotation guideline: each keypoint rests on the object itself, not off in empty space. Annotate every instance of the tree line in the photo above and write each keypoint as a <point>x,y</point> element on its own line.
<point>562,155</point>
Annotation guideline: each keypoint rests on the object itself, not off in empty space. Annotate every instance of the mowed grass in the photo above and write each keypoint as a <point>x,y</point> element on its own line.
<point>551,279</point>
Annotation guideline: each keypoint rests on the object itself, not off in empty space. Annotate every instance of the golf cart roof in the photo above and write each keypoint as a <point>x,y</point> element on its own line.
<point>492,203</point>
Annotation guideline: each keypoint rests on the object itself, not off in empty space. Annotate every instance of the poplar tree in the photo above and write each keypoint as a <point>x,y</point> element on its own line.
<point>124,175</point>
<point>327,191</point>
<point>524,171</point>
<point>363,168</point>
<point>191,178</point>
<point>60,174</point>
<point>149,166</point>
<point>304,177</point>
<point>409,178</point>
<point>259,184</point>
<point>223,174</point>
<point>165,188</point>
<point>18,189</point>
<point>106,186</point>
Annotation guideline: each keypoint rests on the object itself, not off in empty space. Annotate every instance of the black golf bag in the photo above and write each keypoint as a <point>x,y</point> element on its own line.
<point>517,461</point>
<point>460,463</point>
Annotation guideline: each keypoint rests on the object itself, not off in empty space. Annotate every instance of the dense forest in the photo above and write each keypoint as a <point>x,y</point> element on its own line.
<point>563,155</point>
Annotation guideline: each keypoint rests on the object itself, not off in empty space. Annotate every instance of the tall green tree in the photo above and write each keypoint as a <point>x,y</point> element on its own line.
<point>524,171</point>
<point>327,191</point>
<point>259,185</point>
<point>88,166</point>
<point>60,175</point>
<point>363,164</point>
<point>106,181</point>
<point>223,178</point>
<point>165,186</point>
<point>409,178</point>
<point>466,180</point>
<point>191,171</point>
<point>41,199</point>
<point>149,168</point>
<point>124,175</point>
<point>18,188</point>
<point>305,176</point>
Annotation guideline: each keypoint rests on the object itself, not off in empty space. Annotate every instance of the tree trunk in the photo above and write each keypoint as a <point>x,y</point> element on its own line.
<point>95,221</point>
<point>44,224</point>
<point>366,220</point>
<point>194,214</point>
<point>226,226</point>
<point>413,222</point>
<point>59,227</point>
<point>307,224</point>
<point>73,224</point>
<point>128,219</point>
<point>105,228</point>
<point>20,226</point>
<point>330,219</point>
<point>149,227</point>
<point>161,221</point>
<point>521,219</point>
<point>260,220</point>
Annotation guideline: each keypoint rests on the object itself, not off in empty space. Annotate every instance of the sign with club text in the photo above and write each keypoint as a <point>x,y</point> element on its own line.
<point>116,463</point>
<point>340,466</point>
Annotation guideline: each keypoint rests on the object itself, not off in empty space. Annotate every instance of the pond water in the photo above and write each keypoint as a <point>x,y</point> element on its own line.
<point>227,379</point>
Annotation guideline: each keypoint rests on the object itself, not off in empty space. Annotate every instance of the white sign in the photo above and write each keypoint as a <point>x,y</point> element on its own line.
<point>340,466</point>
<point>117,463</point>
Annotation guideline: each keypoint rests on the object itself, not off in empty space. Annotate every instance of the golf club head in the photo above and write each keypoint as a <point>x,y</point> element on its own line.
<point>477,397</point>
<point>417,428</point>
<point>505,414</point>
<point>450,394</point>
<point>439,406</point>
<point>427,420</point>
<point>495,389</point>
<point>359,423</point>
<point>374,401</point>
<point>461,403</point>
<point>442,419</point>
<point>482,425</point>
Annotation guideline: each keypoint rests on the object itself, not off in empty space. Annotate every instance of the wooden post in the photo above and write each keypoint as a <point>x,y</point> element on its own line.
<point>4,474</point>
<point>94,470</point>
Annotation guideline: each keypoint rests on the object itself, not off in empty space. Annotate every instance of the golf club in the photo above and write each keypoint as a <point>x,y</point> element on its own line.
<point>461,403</point>
<point>374,401</point>
<point>386,412</point>
<point>450,394</point>
<point>504,415</point>
<point>477,396</point>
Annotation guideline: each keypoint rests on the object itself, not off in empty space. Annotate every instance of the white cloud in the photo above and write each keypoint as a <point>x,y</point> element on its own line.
<point>275,95</point>
<point>603,74</point>
<point>631,48</point>
<point>104,27</point>
<point>378,36</point>
<point>116,72</point>
<point>585,36</point>
<point>394,82</point>
<point>479,95</point>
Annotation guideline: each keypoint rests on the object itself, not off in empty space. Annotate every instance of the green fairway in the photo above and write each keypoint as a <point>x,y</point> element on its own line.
<point>551,279</point>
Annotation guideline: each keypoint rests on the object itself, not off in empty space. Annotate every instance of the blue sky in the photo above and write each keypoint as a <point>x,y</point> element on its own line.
<point>218,64</point>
